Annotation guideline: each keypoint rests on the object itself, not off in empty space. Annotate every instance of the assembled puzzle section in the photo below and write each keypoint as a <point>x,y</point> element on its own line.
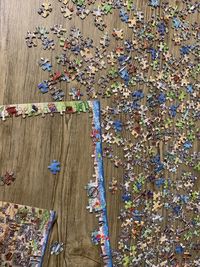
<point>55,162</point>
<point>24,234</point>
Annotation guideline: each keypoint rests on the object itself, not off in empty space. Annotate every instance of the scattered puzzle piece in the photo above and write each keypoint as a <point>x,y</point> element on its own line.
<point>118,34</point>
<point>44,64</point>
<point>67,12</point>
<point>45,10</point>
<point>43,87</point>
<point>54,167</point>
<point>58,30</point>
<point>31,40</point>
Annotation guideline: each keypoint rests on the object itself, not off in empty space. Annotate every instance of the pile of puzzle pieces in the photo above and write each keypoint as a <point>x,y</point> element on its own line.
<point>152,82</point>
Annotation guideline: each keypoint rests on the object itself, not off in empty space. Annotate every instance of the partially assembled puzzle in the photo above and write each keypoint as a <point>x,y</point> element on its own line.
<point>24,230</point>
<point>24,233</point>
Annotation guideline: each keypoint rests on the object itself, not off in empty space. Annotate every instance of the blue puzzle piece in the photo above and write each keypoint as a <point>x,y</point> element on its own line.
<point>161,98</point>
<point>45,64</point>
<point>187,145</point>
<point>189,88</point>
<point>124,15</point>
<point>185,49</point>
<point>177,210</point>
<point>117,125</point>
<point>44,87</point>
<point>154,53</point>
<point>137,216</point>
<point>138,94</point>
<point>126,197</point>
<point>54,167</point>
<point>179,250</point>
<point>184,198</point>
<point>173,110</point>
<point>123,59</point>
<point>58,95</point>
<point>159,182</point>
<point>124,75</point>
<point>128,45</point>
<point>159,167</point>
<point>154,3</point>
<point>176,23</point>
<point>48,44</point>
<point>161,28</point>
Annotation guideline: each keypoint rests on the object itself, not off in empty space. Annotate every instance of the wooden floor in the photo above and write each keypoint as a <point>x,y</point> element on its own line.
<point>27,146</point>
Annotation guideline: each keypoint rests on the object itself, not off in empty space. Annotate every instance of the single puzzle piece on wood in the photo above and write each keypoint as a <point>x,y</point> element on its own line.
<point>99,23</point>
<point>43,87</point>
<point>45,64</point>
<point>58,30</point>
<point>97,12</point>
<point>7,179</point>
<point>118,34</point>
<point>105,40</point>
<point>107,8</point>
<point>75,33</point>
<point>45,10</point>
<point>48,44</point>
<point>67,12</point>
<point>111,59</point>
<point>56,248</point>
<point>124,16</point>
<point>31,40</point>
<point>54,167</point>
<point>86,54</point>
<point>82,12</point>
<point>132,22</point>
<point>41,32</point>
